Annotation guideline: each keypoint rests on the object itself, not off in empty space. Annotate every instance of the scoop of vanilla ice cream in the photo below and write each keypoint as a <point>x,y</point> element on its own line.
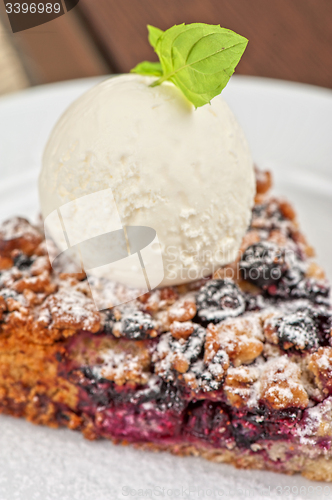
<point>185,172</point>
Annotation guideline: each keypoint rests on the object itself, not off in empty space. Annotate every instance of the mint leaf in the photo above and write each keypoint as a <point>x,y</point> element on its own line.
<point>154,35</point>
<point>148,68</point>
<point>198,58</point>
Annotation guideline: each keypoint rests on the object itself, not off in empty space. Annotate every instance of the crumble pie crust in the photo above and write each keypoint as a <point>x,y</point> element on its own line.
<point>236,368</point>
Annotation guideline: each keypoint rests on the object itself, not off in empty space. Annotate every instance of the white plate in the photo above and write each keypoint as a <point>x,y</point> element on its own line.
<point>289,127</point>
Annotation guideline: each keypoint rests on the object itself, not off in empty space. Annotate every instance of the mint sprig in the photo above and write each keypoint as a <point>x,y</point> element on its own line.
<point>198,58</point>
<point>154,35</point>
<point>148,69</point>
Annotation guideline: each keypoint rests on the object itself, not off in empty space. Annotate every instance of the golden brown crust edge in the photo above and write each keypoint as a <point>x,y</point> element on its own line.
<point>316,469</point>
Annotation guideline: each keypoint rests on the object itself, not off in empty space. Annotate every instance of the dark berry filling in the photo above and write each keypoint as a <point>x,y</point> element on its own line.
<point>305,288</point>
<point>7,293</point>
<point>297,330</point>
<point>208,421</point>
<point>98,392</point>
<point>218,300</point>
<point>269,211</point>
<point>260,423</point>
<point>323,318</point>
<point>218,424</point>
<point>165,395</point>
<point>192,348</point>
<point>210,377</point>
<point>137,325</point>
<point>133,325</point>
<point>101,392</point>
<point>263,264</point>
<point>22,261</point>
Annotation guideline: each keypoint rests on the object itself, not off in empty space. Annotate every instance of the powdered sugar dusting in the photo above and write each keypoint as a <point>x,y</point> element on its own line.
<point>121,366</point>
<point>281,383</point>
<point>71,309</point>
<point>316,422</point>
<point>16,228</point>
<point>108,294</point>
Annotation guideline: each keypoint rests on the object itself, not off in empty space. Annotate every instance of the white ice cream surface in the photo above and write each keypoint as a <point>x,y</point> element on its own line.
<point>185,172</point>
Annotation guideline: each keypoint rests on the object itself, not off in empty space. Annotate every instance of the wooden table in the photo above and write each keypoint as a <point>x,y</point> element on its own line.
<point>12,74</point>
<point>288,39</point>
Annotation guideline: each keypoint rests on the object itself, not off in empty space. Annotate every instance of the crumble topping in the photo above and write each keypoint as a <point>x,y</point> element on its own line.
<point>258,333</point>
<point>178,354</point>
<point>241,339</point>
<point>131,324</point>
<point>182,310</point>
<point>239,384</point>
<point>18,234</point>
<point>320,364</point>
<point>181,330</point>
<point>316,423</point>
<point>281,385</point>
<point>263,180</point>
<point>70,310</point>
<point>124,365</point>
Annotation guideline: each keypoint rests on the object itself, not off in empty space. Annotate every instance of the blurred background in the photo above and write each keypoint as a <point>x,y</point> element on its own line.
<point>289,40</point>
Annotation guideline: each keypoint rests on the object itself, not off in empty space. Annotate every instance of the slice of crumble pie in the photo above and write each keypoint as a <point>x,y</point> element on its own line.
<point>236,368</point>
